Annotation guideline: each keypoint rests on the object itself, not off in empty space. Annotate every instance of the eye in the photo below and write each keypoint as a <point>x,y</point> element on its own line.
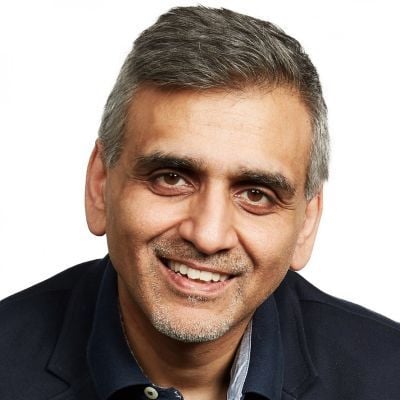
<point>170,184</point>
<point>170,179</point>
<point>255,196</point>
<point>255,201</point>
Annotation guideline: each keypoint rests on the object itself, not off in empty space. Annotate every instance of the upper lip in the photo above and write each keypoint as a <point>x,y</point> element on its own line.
<point>195,265</point>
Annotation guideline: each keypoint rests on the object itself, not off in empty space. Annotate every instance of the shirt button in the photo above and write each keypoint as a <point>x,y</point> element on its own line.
<point>151,393</point>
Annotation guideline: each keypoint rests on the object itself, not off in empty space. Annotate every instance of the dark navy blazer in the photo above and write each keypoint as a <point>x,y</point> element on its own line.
<point>327,349</point>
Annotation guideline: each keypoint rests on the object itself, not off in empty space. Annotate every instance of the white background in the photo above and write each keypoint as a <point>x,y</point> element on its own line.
<point>58,62</point>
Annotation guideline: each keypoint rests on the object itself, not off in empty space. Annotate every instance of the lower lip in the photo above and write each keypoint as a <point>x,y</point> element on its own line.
<point>191,287</point>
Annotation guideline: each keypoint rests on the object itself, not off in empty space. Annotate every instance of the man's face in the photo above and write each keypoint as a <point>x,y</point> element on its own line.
<point>205,209</point>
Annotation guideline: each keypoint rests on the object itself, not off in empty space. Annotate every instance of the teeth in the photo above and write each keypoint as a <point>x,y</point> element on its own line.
<point>205,276</point>
<point>192,273</point>
<point>183,269</point>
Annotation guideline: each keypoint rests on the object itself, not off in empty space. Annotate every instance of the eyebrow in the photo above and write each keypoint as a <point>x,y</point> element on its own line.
<point>144,164</point>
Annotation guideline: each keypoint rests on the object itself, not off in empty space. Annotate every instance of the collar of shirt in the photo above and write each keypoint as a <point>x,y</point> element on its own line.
<point>258,366</point>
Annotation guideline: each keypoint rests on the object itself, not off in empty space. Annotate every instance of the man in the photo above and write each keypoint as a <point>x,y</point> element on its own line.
<point>207,180</point>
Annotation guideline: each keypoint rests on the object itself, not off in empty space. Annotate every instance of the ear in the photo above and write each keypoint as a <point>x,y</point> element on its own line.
<point>306,238</point>
<point>95,192</point>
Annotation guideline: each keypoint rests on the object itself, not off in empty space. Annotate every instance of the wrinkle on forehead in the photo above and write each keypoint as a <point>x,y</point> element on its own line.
<point>168,105</point>
<point>251,128</point>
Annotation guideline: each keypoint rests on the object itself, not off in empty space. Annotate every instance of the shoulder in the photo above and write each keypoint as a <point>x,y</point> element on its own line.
<point>44,298</point>
<point>321,310</point>
<point>30,323</point>
<point>64,280</point>
<point>347,341</point>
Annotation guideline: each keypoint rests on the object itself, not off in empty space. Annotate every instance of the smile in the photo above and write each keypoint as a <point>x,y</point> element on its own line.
<point>195,274</point>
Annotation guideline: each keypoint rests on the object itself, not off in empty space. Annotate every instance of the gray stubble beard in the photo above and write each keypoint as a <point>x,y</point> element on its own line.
<point>194,331</point>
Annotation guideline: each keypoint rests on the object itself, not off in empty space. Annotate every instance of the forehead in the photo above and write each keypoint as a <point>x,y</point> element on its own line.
<point>224,130</point>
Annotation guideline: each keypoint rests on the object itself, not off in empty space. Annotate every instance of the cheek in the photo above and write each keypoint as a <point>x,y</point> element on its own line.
<point>136,216</point>
<point>271,244</point>
<point>272,259</point>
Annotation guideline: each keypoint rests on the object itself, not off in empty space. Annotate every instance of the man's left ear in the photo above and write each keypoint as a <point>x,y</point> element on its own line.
<point>306,238</point>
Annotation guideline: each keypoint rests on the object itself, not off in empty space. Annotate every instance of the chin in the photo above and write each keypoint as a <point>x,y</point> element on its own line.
<point>190,329</point>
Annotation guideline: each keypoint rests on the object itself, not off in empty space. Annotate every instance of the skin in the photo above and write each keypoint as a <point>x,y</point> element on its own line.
<point>187,188</point>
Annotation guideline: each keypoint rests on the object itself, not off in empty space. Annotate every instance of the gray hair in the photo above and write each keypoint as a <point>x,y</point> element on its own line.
<point>202,48</point>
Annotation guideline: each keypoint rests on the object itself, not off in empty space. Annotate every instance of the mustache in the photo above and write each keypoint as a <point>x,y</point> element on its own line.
<point>232,261</point>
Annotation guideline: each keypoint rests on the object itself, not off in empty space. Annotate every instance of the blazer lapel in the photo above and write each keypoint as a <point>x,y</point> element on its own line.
<point>68,361</point>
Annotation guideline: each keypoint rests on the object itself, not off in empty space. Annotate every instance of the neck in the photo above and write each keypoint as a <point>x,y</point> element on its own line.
<point>197,370</point>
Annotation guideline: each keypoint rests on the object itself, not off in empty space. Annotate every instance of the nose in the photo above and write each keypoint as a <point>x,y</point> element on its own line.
<point>209,223</point>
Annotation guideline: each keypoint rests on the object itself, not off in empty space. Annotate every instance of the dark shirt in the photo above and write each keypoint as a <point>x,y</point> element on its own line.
<point>62,340</point>
<point>117,375</point>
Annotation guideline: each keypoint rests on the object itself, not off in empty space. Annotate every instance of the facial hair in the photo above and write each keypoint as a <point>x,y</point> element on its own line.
<point>196,331</point>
